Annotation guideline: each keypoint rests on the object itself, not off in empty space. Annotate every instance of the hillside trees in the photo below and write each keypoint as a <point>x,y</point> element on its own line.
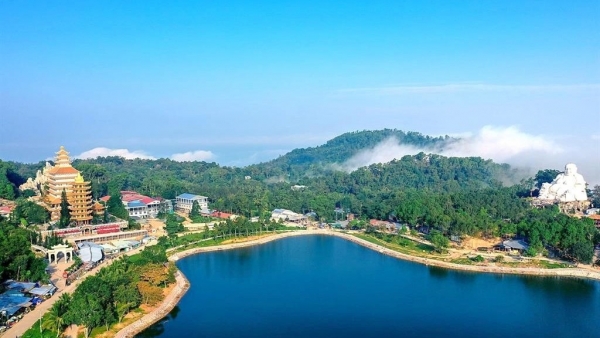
<point>545,176</point>
<point>17,261</point>
<point>115,206</point>
<point>173,225</point>
<point>594,196</point>
<point>31,212</point>
<point>106,298</point>
<point>7,189</point>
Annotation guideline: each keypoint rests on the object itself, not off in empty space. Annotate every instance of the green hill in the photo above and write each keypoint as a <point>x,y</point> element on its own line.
<point>303,162</point>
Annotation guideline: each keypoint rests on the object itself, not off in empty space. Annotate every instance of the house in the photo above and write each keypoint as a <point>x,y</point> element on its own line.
<point>515,244</point>
<point>184,202</point>
<point>222,215</point>
<point>592,211</point>
<point>5,211</point>
<point>596,219</point>
<point>288,216</point>
<point>382,225</point>
<point>137,205</point>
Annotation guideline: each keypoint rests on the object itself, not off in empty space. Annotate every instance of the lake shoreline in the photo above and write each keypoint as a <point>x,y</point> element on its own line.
<point>183,284</point>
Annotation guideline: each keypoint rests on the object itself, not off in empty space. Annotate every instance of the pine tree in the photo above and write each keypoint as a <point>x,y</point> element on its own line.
<point>115,206</point>
<point>195,212</point>
<point>65,213</point>
<point>105,217</point>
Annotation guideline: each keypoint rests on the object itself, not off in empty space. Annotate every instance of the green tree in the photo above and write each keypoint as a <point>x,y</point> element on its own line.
<point>7,188</point>
<point>65,213</point>
<point>595,196</point>
<point>583,252</point>
<point>545,176</point>
<point>53,320</point>
<point>439,241</point>
<point>115,206</point>
<point>126,298</point>
<point>195,212</point>
<point>173,225</point>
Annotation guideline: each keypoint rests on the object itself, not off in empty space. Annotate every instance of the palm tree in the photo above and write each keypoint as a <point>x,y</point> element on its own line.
<point>53,321</point>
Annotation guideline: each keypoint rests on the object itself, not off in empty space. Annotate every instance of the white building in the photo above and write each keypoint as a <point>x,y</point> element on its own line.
<point>184,202</point>
<point>288,216</point>
<point>138,206</point>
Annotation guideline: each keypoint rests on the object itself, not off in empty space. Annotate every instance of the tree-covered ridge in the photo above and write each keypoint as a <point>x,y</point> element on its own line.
<point>17,261</point>
<point>10,180</point>
<point>317,160</point>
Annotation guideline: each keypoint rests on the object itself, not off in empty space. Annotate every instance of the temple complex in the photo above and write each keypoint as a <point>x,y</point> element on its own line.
<point>62,176</point>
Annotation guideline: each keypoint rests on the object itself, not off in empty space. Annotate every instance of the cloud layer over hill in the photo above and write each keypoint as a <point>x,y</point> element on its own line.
<point>501,144</point>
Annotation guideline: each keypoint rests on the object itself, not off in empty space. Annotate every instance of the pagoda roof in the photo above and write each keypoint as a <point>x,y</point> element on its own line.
<point>63,170</point>
<point>53,200</point>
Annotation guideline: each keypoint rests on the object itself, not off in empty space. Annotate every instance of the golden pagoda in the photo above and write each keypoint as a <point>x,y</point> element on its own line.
<point>62,176</point>
<point>98,209</point>
<point>80,201</point>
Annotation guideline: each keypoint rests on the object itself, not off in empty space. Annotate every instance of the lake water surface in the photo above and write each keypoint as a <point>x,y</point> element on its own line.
<point>323,286</point>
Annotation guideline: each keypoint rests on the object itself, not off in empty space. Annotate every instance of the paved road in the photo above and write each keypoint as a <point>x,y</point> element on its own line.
<point>32,317</point>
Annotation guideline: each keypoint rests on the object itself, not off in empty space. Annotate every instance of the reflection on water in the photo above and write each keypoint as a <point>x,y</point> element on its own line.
<point>158,329</point>
<point>439,273</point>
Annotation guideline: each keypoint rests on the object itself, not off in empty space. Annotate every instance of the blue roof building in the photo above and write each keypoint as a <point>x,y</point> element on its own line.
<point>184,202</point>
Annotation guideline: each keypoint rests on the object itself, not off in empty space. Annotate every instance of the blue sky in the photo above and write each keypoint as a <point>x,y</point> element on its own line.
<point>244,81</point>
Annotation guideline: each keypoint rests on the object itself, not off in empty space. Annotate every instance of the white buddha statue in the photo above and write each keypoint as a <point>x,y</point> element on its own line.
<point>566,187</point>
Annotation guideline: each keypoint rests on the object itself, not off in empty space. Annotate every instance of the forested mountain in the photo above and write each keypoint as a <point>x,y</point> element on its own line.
<point>303,162</point>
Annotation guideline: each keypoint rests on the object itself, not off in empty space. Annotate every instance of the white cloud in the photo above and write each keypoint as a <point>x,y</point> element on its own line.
<point>501,144</point>
<point>383,152</point>
<point>470,87</point>
<point>103,152</point>
<point>198,155</point>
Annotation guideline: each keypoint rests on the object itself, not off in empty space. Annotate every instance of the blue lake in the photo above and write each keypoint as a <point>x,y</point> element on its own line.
<point>322,286</point>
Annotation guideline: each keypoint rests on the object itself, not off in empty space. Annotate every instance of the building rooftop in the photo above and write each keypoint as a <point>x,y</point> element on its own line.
<point>63,170</point>
<point>135,204</point>
<point>148,200</point>
<point>187,196</point>
<point>517,244</point>
<point>11,302</point>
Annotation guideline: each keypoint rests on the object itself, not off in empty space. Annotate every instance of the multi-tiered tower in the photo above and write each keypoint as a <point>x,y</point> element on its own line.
<point>80,201</point>
<point>63,177</point>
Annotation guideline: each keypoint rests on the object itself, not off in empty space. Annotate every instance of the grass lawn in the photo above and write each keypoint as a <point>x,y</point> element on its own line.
<point>400,244</point>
